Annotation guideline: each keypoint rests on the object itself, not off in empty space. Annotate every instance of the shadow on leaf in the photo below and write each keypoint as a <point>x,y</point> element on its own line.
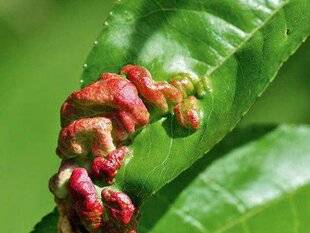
<point>238,137</point>
<point>168,194</point>
<point>48,223</point>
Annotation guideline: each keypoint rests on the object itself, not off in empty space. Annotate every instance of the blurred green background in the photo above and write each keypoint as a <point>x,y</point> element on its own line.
<point>43,44</point>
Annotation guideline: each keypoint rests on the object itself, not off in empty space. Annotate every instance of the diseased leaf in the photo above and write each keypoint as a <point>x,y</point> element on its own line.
<point>235,139</point>
<point>261,187</point>
<point>237,46</point>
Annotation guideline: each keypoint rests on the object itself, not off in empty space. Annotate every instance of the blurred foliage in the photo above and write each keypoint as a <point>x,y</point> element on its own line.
<point>43,47</point>
<point>248,188</point>
<point>43,44</point>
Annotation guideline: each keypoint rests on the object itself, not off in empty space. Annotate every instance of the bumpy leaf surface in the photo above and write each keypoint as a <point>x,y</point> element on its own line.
<point>238,137</point>
<point>253,181</point>
<point>237,46</point>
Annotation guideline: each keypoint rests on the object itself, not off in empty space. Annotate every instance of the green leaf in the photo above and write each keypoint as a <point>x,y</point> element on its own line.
<point>235,139</point>
<point>268,171</point>
<point>48,223</point>
<point>261,187</point>
<point>238,46</point>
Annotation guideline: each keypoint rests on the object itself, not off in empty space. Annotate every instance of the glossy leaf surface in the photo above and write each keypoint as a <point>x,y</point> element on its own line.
<point>237,138</point>
<point>261,187</point>
<point>259,184</point>
<point>238,46</point>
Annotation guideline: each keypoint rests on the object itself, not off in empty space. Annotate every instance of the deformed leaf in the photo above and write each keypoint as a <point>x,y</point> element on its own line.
<point>238,137</point>
<point>261,187</point>
<point>236,47</point>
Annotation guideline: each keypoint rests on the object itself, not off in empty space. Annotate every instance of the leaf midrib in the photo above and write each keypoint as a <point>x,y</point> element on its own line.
<point>247,38</point>
<point>243,217</point>
<point>256,210</point>
<point>236,48</point>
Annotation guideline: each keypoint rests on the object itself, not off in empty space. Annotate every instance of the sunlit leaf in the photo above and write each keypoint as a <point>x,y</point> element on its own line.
<point>237,46</point>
